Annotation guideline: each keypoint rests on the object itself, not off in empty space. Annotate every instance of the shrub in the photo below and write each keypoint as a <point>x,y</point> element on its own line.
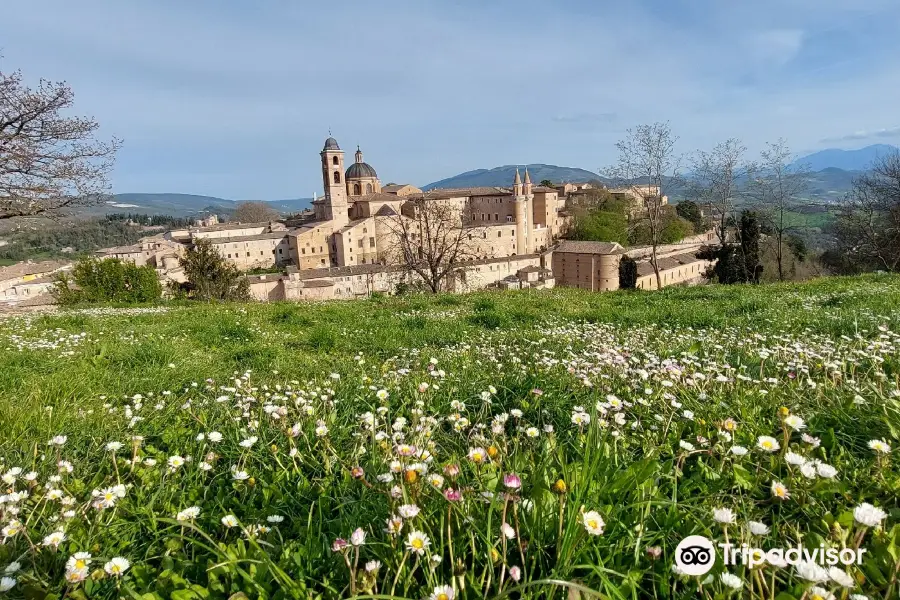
<point>108,280</point>
<point>628,273</point>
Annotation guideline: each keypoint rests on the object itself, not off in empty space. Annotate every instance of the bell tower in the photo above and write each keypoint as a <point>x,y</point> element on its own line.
<point>335,201</point>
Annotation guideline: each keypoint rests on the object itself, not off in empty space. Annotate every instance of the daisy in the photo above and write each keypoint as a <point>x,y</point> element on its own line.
<point>732,581</point>
<point>442,592</point>
<point>358,537</point>
<point>868,515</point>
<point>188,514</point>
<point>417,542</point>
<point>723,515</point>
<point>840,577</point>
<point>817,593</point>
<point>757,528</point>
<point>767,443</point>
<point>409,511</point>
<point>7,583</point>
<point>117,566</point>
<point>54,539</point>
<point>780,491</point>
<point>794,422</point>
<point>593,522</point>
<point>508,531</point>
<point>229,521</point>
<point>879,446</point>
<point>477,455</point>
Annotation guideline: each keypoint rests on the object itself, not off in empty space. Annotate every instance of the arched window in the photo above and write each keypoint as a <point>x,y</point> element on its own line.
<point>334,160</point>
<point>337,176</point>
<point>356,191</point>
<point>368,188</point>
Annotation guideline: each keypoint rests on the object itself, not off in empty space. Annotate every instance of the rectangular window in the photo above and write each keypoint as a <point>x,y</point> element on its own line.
<point>371,242</point>
<point>360,244</point>
<point>248,254</point>
<point>496,217</point>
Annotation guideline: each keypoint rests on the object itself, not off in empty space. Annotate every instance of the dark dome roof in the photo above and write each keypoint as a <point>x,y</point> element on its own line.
<point>360,169</point>
<point>331,144</point>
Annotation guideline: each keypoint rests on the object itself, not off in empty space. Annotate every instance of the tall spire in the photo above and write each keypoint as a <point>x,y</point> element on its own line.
<point>359,156</point>
<point>527,177</point>
<point>517,184</point>
<point>527,187</point>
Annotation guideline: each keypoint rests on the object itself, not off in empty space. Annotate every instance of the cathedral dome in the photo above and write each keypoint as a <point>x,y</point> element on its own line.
<point>359,170</point>
<point>331,144</point>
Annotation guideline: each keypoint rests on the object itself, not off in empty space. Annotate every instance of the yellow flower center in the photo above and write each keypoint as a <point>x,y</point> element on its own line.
<point>443,596</point>
<point>416,543</point>
<point>592,523</point>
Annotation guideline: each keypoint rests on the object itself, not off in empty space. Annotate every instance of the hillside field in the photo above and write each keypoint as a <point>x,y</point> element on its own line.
<point>534,444</point>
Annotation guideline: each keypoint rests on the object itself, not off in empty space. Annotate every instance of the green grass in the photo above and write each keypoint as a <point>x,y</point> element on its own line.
<point>660,375</point>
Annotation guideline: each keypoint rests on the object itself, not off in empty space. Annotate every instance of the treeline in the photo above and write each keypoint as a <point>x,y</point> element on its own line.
<point>166,221</point>
<point>65,239</point>
<point>767,227</point>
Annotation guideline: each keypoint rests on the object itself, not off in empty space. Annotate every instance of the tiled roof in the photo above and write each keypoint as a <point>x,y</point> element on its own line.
<point>30,268</point>
<point>670,262</point>
<point>576,247</point>
<point>443,193</point>
<point>122,250</point>
<point>378,197</point>
<point>248,238</point>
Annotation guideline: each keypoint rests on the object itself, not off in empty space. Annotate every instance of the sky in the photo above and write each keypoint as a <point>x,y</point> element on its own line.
<point>234,99</point>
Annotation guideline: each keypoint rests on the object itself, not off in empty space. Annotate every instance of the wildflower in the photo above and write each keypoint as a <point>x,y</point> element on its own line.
<point>382,395</point>
<point>372,566</point>
<point>508,531</point>
<point>686,445</point>
<point>825,471</point>
<point>248,443</point>
<point>229,521</point>
<point>515,573</point>
<point>757,528</point>
<point>117,566</point>
<point>879,446</point>
<point>175,461</point>
<point>394,525</point>
<point>817,593</point>
<point>560,486</point>
<point>729,424</point>
<point>54,539</point>
<point>593,522</point>
<point>357,473</point>
<point>739,450</point>
<point>767,443</point>
<point>840,577</point>
<point>58,441</point>
<point>188,514</point>
<point>810,571</point>
<point>442,592</point>
<point>275,519</point>
<point>338,544</point>
<point>240,475</point>
<point>723,515</point>
<point>7,583</point>
<point>732,581</point>
<point>409,511</point>
<point>79,561</point>
<point>214,436</point>
<point>417,542</point>
<point>532,432</point>
<point>512,481</point>
<point>477,455</point>
<point>358,537</point>
<point>780,491</point>
<point>12,568</point>
<point>868,515</point>
<point>452,495</point>
<point>321,429</point>
<point>792,458</point>
<point>114,446</point>
<point>73,577</point>
<point>794,422</point>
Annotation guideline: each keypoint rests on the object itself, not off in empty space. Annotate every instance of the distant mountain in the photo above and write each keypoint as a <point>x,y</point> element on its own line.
<point>185,205</point>
<point>503,176</point>
<point>847,160</point>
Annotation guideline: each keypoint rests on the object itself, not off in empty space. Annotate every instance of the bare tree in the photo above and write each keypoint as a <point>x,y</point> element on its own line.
<point>254,212</point>
<point>715,181</point>
<point>48,161</point>
<point>647,166</point>
<point>868,226</point>
<point>432,238</point>
<point>776,186</point>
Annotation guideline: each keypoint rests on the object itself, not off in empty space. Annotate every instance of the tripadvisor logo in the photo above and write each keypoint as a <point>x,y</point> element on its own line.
<point>695,555</point>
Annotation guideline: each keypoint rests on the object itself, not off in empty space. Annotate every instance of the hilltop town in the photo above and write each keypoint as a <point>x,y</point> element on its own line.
<point>350,243</point>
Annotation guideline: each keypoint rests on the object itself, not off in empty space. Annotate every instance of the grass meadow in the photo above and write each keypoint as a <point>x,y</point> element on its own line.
<point>542,444</point>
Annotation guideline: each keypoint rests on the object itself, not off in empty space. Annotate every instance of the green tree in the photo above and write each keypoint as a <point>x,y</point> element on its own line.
<point>601,226</point>
<point>546,183</point>
<point>210,276</point>
<point>109,280</point>
<point>737,262</point>
<point>690,211</point>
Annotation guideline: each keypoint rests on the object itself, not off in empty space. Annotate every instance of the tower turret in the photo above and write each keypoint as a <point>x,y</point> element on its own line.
<point>517,184</point>
<point>529,214</point>
<point>334,206</point>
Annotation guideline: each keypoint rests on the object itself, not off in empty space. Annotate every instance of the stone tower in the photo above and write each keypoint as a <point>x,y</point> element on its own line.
<point>521,217</point>
<point>335,202</point>
<point>529,213</point>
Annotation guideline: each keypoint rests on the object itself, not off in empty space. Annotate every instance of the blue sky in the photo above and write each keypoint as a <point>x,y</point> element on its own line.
<point>235,98</point>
